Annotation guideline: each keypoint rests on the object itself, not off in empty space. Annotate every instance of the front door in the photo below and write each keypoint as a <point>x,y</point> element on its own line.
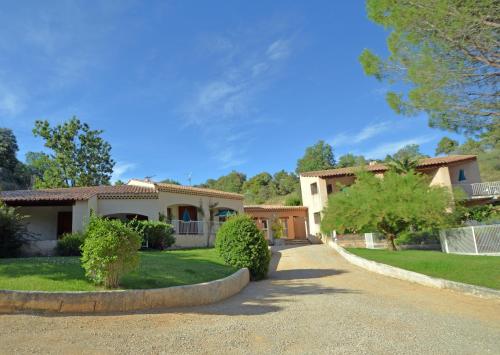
<point>64,223</point>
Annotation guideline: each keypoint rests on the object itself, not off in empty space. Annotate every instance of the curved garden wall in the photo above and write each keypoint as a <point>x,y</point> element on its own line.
<point>124,300</point>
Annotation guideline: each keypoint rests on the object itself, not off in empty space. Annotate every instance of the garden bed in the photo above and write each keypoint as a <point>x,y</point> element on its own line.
<point>474,270</point>
<point>157,269</point>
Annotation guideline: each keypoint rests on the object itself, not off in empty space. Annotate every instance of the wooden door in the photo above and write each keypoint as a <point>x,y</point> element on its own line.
<point>64,223</point>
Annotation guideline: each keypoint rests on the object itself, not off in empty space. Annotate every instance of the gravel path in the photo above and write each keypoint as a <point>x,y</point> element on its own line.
<point>314,302</point>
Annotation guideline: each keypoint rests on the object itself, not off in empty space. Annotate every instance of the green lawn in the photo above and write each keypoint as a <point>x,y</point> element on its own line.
<point>157,269</point>
<point>475,270</point>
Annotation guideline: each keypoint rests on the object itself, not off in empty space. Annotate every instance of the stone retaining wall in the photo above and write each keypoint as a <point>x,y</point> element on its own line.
<point>124,300</point>
<point>415,277</point>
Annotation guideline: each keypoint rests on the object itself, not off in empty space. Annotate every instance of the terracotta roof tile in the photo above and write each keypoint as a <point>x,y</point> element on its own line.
<point>189,190</point>
<point>274,208</point>
<point>423,164</point>
<point>77,193</point>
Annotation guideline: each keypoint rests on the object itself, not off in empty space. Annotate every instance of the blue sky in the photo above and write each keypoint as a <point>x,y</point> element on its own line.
<point>198,87</point>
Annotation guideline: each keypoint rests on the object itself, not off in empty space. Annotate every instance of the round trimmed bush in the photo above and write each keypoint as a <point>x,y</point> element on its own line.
<point>70,244</point>
<point>241,244</point>
<point>159,235</point>
<point>110,250</point>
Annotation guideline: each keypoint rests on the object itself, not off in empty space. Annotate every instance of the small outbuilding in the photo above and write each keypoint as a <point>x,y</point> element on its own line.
<point>293,219</point>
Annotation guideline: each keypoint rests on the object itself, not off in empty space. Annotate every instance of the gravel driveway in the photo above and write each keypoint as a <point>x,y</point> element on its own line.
<point>314,302</point>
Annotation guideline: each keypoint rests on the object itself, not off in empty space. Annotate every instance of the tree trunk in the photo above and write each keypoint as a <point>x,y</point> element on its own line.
<point>391,238</point>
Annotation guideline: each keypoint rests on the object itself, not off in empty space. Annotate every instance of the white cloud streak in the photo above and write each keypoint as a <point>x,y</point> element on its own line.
<point>120,169</point>
<point>382,150</point>
<point>221,106</point>
<point>372,130</point>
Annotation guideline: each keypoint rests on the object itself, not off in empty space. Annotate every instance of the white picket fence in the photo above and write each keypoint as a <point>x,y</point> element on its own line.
<point>478,240</point>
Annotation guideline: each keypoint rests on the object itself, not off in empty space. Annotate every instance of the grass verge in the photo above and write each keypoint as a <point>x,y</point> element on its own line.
<point>475,270</point>
<point>157,269</point>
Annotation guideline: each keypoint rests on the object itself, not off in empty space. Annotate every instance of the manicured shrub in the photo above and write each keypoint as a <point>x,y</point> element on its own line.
<point>13,232</point>
<point>159,235</point>
<point>109,251</point>
<point>70,244</point>
<point>241,244</point>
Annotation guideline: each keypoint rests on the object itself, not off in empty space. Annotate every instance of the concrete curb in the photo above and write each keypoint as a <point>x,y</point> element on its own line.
<point>124,300</point>
<point>415,277</point>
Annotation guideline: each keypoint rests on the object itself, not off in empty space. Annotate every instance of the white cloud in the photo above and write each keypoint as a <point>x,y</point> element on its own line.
<point>382,150</point>
<point>120,169</point>
<point>10,103</point>
<point>279,49</point>
<point>372,130</point>
<point>226,104</point>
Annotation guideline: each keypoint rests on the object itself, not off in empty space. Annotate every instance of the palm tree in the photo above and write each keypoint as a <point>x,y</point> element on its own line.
<point>402,166</point>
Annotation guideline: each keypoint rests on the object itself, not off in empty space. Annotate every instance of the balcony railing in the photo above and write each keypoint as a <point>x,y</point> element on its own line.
<point>482,189</point>
<point>193,227</point>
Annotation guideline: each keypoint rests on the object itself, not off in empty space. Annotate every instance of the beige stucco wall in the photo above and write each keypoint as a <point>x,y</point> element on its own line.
<point>42,220</point>
<point>471,170</point>
<point>340,181</point>
<point>315,203</point>
<point>440,177</point>
<point>145,207</point>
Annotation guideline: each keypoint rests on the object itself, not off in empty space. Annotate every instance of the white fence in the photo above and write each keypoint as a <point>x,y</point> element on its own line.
<point>375,241</point>
<point>194,227</point>
<point>472,240</point>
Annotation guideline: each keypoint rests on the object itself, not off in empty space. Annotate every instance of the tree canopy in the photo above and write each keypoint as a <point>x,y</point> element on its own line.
<point>350,160</point>
<point>446,53</point>
<point>392,205</point>
<point>317,157</point>
<point>13,174</point>
<point>446,146</point>
<point>79,156</point>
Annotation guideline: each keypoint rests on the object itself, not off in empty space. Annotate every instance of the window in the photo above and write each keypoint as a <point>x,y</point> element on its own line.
<point>314,188</point>
<point>329,189</point>
<point>317,217</point>
<point>264,224</point>
<point>461,175</point>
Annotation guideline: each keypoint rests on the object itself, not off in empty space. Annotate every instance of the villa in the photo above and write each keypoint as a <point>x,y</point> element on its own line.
<point>452,171</point>
<point>195,213</point>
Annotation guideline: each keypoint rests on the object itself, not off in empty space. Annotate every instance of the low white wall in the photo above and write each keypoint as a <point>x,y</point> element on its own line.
<point>126,300</point>
<point>415,277</point>
<point>192,241</point>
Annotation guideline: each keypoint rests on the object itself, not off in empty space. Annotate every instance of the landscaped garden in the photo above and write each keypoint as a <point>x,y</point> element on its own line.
<point>156,269</point>
<point>471,269</point>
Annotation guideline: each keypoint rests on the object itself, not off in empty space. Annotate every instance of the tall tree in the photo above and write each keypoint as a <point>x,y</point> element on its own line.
<point>446,52</point>
<point>392,205</point>
<point>410,151</point>
<point>13,174</point>
<point>317,157</point>
<point>349,160</point>
<point>285,183</point>
<point>259,188</point>
<point>231,182</point>
<point>79,156</point>
<point>8,149</point>
<point>170,181</point>
<point>446,146</point>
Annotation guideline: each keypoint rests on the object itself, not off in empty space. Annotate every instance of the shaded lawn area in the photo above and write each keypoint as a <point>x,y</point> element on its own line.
<point>475,270</point>
<point>157,269</point>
